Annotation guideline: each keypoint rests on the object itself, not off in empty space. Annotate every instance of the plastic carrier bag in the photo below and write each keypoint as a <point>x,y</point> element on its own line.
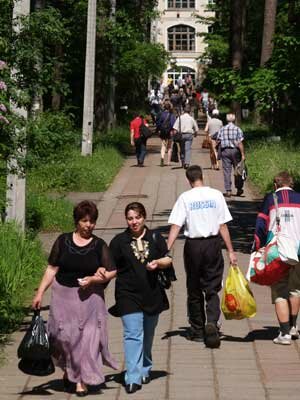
<point>34,349</point>
<point>238,301</point>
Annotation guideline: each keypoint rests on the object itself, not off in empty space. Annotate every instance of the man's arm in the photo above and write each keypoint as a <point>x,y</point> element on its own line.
<point>242,150</point>
<point>224,232</point>
<point>174,232</point>
<point>131,137</point>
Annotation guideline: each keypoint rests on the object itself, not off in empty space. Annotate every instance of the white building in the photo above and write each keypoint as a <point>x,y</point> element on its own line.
<point>178,30</point>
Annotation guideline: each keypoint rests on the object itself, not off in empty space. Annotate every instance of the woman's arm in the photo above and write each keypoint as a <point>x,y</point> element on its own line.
<point>161,263</point>
<point>46,281</point>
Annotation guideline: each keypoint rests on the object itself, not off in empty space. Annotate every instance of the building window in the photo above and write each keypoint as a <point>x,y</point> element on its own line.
<point>181,38</point>
<point>181,72</point>
<point>181,3</point>
<point>211,1</point>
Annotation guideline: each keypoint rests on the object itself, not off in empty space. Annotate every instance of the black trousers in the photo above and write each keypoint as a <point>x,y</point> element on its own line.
<point>204,266</point>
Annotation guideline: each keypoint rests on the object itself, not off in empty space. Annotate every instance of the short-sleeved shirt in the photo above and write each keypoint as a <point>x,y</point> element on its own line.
<point>135,126</point>
<point>213,126</point>
<point>202,210</point>
<point>230,136</point>
<point>137,289</point>
<point>187,124</point>
<point>78,261</point>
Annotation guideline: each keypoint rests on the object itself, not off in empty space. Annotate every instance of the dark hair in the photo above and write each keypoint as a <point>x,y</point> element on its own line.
<point>194,173</point>
<point>187,108</point>
<point>83,209</point>
<point>137,207</point>
<point>284,179</point>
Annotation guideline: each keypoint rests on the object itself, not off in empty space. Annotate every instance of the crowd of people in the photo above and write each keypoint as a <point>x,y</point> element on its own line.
<point>80,264</point>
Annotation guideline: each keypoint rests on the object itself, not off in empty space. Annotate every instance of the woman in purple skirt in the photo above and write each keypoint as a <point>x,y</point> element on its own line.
<point>77,323</point>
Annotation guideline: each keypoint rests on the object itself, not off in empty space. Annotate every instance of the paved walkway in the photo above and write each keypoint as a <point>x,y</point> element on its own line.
<point>247,366</point>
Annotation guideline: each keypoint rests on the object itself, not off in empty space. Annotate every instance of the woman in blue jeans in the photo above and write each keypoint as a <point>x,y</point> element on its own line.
<point>138,255</point>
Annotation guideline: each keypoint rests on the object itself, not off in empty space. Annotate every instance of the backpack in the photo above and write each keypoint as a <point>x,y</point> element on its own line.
<point>145,132</point>
<point>164,130</point>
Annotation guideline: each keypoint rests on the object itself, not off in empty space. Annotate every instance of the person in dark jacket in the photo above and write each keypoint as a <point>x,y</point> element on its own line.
<point>139,297</point>
<point>164,126</point>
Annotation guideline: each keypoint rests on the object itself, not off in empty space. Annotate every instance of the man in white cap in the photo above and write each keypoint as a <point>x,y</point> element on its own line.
<point>213,125</point>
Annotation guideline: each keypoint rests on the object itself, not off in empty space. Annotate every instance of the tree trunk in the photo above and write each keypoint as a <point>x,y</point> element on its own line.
<point>237,26</point>
<point>56,97</point>
<point>268,32</point>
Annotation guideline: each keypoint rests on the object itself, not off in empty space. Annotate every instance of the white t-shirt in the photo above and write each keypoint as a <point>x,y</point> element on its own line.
<point>202,210</point>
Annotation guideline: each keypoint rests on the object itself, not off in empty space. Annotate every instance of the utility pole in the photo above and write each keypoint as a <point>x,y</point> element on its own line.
<point>16,182</point>
<point>89,81</point>
<point>112,77</point>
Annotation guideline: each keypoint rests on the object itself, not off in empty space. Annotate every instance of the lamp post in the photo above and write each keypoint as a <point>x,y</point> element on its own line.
<point>89,81</point>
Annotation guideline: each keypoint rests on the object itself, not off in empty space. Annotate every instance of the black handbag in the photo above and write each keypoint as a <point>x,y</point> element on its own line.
<point>165,276</point>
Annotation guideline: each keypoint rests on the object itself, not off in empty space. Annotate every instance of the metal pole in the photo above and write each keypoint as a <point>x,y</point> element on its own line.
<point>16,182</point>
<point>89,81</point>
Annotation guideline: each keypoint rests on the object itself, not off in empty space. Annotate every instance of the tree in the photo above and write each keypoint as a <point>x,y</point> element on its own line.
<point>237,25</point>
<point>268,32</point>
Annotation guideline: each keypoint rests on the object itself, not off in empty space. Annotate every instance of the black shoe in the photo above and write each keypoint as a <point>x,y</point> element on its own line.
<point>146,380</point>
<point>239,192</point>
<point>227,194</point>
<point>186,166</point>
<point>195,336</point>
<point>67,384</point>
<point>132,388</point>
<point>81,393</point>
<point>212,337</point>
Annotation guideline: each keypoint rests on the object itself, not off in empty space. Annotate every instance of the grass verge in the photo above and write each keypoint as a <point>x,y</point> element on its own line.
<point>265,160</point>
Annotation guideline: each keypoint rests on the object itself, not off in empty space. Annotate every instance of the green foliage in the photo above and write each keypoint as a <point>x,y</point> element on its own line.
<point>48,135</point>
<point>48,183</point>
<point>266,159</point>
<point>47,213</point>
<point>21,265</point>
<point>118,138</point>
<point>32,52</point>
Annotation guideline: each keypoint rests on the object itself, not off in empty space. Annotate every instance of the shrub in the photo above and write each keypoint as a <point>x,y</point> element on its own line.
<point>21,267</point>
<point>48,135</point>
<point>118,137</point>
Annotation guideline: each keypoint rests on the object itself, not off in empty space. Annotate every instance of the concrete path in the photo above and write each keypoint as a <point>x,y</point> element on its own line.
<point>247,366</point>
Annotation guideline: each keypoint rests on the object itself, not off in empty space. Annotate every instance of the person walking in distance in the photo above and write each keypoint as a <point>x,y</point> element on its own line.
<point>189,128</point>
<point>204,213</point>
<point>231,139</point>
<point>213,125</point>
<point>164,126</point>
<point>285,293</point>
<point>137,140</point>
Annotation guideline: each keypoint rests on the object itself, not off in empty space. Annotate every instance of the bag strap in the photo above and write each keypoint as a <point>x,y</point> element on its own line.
<point>277,210</point>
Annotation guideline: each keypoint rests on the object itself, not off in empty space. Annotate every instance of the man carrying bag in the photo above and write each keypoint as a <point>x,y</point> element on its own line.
<point>285,292</point>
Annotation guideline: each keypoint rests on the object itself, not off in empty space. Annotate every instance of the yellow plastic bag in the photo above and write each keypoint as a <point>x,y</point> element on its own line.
<point>238,301</point>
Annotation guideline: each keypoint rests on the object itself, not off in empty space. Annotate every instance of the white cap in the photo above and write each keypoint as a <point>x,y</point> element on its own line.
<point>215,112</point>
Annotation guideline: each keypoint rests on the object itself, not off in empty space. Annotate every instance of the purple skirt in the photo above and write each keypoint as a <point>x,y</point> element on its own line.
<point>77,328</point>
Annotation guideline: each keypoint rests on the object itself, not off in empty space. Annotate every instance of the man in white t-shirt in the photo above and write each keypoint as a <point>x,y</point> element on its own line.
<point>204,213</point>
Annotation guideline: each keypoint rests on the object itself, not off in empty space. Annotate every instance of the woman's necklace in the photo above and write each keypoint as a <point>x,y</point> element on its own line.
<point>140,247</point>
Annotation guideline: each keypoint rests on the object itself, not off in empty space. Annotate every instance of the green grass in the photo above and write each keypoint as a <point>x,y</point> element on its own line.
<point>265,160</point>
<point>22,263</point>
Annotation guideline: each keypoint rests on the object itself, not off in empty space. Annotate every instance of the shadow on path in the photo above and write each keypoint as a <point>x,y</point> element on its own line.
<point>119,378</point>
<point>243,224</point>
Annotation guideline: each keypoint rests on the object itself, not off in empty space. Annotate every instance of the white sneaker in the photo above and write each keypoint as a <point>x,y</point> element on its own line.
<point>294,332</point>
<point>283,339</point>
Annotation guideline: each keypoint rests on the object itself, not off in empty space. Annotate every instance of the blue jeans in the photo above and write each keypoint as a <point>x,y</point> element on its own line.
<point>140,149</point>
<point>138,333</point>
<point>186,147</point>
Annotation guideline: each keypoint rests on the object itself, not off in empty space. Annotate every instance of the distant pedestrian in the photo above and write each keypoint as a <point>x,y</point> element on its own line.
<point>164,126</point>
<point>189,128</point>
<point>204,214</point>
<point>285,293</point>
<point>204,96</point>
<point>213,125</point>
<point>137,140</point>
<point>231,139</point>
